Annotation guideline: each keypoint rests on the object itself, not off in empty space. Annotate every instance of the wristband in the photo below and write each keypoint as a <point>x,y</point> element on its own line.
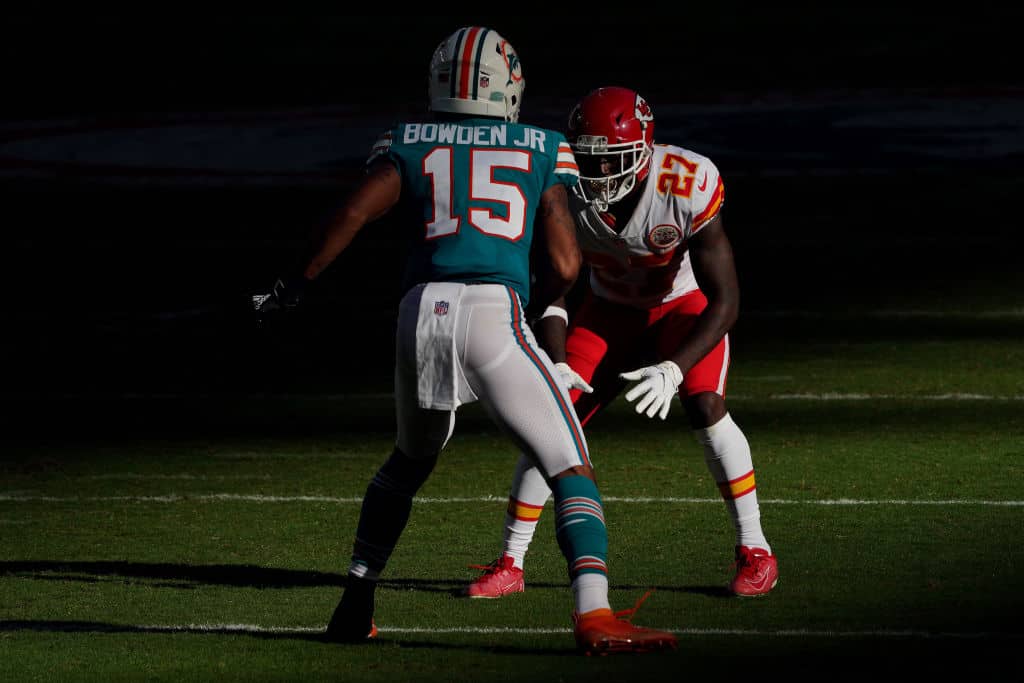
<point>556,311</point>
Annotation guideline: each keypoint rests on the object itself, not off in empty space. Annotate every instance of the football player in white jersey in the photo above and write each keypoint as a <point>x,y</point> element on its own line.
<point>662,297</point>
<point>474,186</point>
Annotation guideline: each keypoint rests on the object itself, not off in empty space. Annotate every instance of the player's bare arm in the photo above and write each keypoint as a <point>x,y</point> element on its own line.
<point>714,267</point>
<point>373,197</point>
<point>550,329</point>
<point>557,272</point>
<point>551,332</point>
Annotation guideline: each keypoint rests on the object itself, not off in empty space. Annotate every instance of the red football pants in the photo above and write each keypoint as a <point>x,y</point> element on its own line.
<point>606,338</point>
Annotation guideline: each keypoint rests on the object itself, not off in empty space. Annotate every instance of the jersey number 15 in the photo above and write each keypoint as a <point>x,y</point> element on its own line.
<point>482,186</point>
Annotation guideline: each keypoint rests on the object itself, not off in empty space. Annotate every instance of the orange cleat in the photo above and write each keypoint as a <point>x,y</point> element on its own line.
<point>603,632</point>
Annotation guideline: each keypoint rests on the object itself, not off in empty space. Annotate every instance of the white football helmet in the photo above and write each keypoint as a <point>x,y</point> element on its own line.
<point>475,71</point>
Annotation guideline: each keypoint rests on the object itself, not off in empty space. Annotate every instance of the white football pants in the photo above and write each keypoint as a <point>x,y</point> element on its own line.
<point>478,332</point>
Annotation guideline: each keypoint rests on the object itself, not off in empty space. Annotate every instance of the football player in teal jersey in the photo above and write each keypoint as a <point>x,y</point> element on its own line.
<point>477,187</point>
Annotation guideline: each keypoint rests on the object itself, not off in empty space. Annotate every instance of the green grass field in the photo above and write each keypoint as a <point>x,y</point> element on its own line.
<point>211,542</point>
<point>179,491</point>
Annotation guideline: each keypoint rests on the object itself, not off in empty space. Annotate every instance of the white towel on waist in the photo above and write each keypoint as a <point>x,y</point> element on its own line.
<point>436,357</point>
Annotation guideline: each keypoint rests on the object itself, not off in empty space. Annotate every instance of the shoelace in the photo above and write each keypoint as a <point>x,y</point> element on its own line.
<point>628,613</point>
<point>755,562</point>
<point>491,568</point>
<point>744,560</point>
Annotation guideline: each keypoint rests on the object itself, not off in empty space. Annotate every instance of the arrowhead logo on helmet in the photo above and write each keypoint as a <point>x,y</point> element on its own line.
<point>643,110</point>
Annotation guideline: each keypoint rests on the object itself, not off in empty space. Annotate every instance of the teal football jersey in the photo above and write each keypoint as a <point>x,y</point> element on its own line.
<point>473,187</point>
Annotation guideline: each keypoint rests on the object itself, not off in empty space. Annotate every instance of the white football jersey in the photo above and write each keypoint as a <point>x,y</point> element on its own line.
<point>647,262</point>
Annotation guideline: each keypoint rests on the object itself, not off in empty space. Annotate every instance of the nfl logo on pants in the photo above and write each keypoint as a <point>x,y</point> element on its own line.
<point>440,308</point>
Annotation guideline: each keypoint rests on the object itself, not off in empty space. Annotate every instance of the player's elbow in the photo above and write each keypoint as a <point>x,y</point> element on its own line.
<point>350,217</point>
<point>566,266</point>
<point>724,307</point>
<point>731,317</point>
<point>729,310</point>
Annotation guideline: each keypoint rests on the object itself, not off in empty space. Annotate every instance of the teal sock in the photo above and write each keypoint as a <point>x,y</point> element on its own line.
<point>579,525</point>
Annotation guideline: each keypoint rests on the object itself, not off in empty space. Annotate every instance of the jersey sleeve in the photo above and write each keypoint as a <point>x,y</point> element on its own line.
<point>565,170</point>
<point>382,149</point>
<point>708,194</point>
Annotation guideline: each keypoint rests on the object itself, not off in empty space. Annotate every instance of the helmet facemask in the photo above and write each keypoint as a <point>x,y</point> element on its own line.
<point>608,172</point>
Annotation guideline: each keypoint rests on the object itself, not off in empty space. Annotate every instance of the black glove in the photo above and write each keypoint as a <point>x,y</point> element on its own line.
<point>286,294</point>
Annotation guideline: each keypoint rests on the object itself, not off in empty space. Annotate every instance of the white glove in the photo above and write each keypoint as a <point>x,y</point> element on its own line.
<point>660,383</point>
<point>572,379</point>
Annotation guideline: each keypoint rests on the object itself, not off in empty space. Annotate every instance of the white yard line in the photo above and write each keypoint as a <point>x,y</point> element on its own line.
<point>961,314</point>
<point>809,396</point>
<point>17,497</point>
<point>833,396</point>
<point>489,630</point>
<point>131,476</point>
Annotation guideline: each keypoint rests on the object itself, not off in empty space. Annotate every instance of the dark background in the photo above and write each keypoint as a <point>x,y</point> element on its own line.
<point>697,52</point>
<point>118,289</point>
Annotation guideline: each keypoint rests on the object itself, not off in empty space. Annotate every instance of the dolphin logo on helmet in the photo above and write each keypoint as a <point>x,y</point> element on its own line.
<point>475,71</point>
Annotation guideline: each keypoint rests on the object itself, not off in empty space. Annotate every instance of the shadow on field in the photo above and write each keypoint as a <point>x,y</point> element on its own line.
<point>311,635</point>
<point>992,658</point>
<point>171,575</point>
<point>74,626</point>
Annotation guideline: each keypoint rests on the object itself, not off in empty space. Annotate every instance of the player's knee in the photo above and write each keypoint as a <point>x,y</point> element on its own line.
<point>578,470</point>
<point>705,409</point>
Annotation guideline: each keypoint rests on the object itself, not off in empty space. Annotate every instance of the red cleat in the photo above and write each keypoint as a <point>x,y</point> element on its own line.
<point>757,572</point>
<point>499,578</point>
<point>603,632</point>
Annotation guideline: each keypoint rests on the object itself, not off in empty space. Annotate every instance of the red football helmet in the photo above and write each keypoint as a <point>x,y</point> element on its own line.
<point>611,132</point>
